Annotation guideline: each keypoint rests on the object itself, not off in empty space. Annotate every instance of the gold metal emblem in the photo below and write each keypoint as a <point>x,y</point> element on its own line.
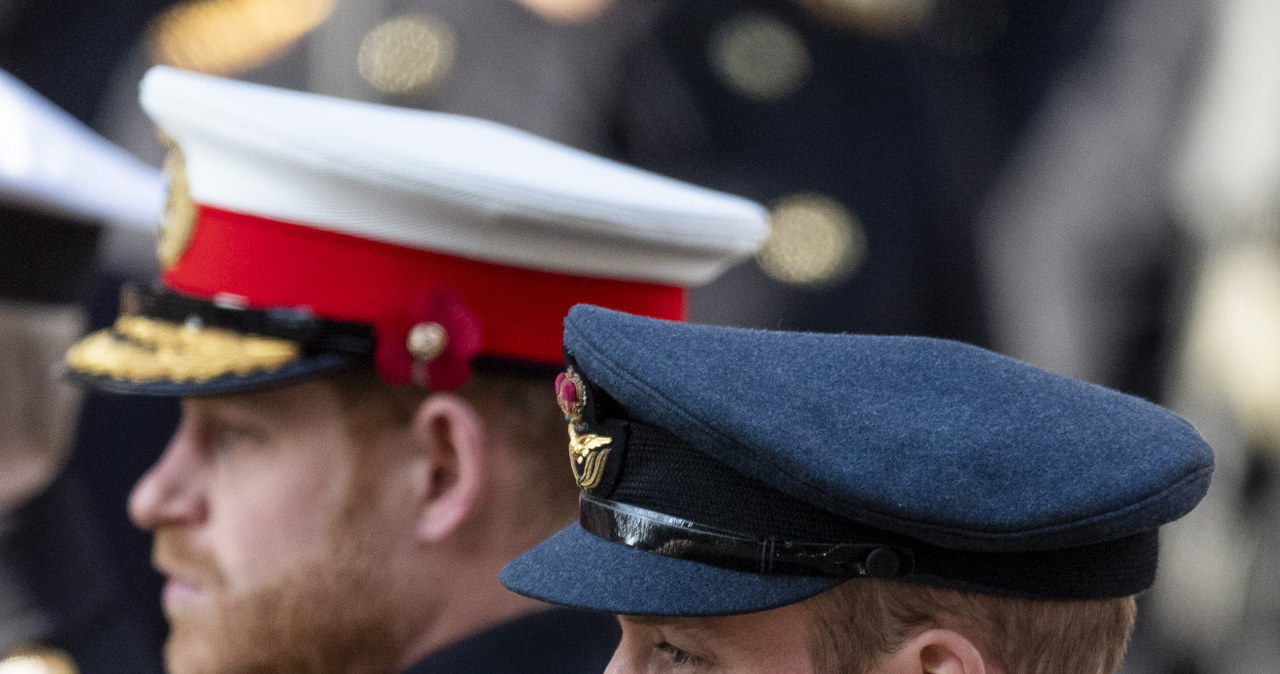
<point>587,454</point>
<point>140,349</point>
<point>426,341</point>
<point>179,210</point>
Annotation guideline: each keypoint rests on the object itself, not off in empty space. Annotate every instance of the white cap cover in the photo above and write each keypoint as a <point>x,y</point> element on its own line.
<point>441,182</point>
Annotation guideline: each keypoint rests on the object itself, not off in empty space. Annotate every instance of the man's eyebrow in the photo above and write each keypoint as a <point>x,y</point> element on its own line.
<point>695,626</point>
<point>646,619</point>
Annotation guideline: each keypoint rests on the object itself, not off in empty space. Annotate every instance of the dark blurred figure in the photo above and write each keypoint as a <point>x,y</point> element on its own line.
<point>70,548</point>
<point>873,128</point>
<point>1220,604</point>
<point>68,49</point>
<point>1131,241</point>
<point>62,603</point>
<point>552,67</point>
<point>870,147</point>
<point>1078,240</point>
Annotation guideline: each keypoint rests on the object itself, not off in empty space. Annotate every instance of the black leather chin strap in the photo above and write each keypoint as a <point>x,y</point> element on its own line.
<point>669,536</point>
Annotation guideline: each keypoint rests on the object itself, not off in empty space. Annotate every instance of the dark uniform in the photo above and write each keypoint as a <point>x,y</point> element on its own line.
<point>68,50</point>
<point>551,641</point>
<point>56,593</point>
<point>59,582</point>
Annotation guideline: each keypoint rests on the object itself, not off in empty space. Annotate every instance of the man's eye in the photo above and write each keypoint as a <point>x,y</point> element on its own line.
<point>228,436</point>
<point>677,656</point>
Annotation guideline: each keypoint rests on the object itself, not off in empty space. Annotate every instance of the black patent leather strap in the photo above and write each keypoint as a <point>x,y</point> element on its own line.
<point>669,536</point>
<point>294,324</point>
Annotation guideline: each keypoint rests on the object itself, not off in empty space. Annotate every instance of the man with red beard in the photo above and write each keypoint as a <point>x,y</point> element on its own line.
<point>361,309</point>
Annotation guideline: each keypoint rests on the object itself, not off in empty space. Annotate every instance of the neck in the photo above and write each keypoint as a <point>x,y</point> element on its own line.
<point>466,607</point>
<point>467,597</point>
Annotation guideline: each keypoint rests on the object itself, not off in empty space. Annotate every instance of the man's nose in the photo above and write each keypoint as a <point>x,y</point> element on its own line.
<point>619,663</point>
<point>171,492</point>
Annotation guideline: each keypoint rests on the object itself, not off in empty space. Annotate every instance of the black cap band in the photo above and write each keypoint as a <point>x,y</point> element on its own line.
<point>660,494</point>
<point>167,344</point>
<point>674,537</point>
<point>316,335</point>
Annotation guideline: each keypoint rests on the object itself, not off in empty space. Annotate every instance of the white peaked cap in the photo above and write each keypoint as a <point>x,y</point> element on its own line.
<point>443,182</point>
<point>52,163</point>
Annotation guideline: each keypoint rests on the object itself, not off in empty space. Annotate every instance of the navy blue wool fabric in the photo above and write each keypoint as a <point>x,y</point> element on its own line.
<point>938,440</point>
<point>575,568</point>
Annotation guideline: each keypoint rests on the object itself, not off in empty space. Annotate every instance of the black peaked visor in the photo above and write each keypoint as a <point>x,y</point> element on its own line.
<point>168,344</point>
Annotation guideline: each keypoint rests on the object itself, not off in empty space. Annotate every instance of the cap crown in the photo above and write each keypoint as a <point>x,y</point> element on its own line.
<point>945,442</point>
<point>441,182</point>
<point>343,231</point>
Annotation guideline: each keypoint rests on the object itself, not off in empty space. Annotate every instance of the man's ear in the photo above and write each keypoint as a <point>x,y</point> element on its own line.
<point>451,436</point>
<point>938,651</point>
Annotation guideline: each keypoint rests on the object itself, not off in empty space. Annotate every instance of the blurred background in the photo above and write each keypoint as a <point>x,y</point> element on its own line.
<point>1092,186</point>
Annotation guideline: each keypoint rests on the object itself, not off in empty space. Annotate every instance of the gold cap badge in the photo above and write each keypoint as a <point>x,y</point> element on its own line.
<point>587,455</point>
<point>587,451</point>
<point>179,209</point>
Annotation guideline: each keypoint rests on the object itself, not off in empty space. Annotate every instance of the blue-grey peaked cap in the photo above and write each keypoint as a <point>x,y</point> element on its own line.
<point>967,457</point>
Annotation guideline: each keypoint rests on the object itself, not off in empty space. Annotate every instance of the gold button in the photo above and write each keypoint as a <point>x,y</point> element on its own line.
<point>814,241</point>
<point>409,54</point>
<point>760,57</point>
<point>427,341</point>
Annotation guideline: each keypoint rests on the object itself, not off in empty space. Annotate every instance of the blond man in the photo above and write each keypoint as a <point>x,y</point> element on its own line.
<point>757,501</point>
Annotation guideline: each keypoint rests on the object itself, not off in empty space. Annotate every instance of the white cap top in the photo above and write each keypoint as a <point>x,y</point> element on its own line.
<point>442,182</point>
<point>50,162</point>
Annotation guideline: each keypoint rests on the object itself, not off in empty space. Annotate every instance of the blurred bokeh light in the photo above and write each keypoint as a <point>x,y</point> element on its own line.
<point>815,241</point>
<point>886,18</point>
<point>412,53</point>
<point>226,37</point>
<point>761,57</point>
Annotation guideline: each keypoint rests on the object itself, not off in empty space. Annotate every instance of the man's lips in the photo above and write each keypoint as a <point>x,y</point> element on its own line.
<point>190,572</point>
<point>180,589</point>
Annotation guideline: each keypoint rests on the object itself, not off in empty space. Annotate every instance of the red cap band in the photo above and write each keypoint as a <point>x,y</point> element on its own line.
<point>343,277</point>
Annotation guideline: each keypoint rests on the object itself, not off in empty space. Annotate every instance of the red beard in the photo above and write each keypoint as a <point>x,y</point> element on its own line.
<point>343,610</point>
